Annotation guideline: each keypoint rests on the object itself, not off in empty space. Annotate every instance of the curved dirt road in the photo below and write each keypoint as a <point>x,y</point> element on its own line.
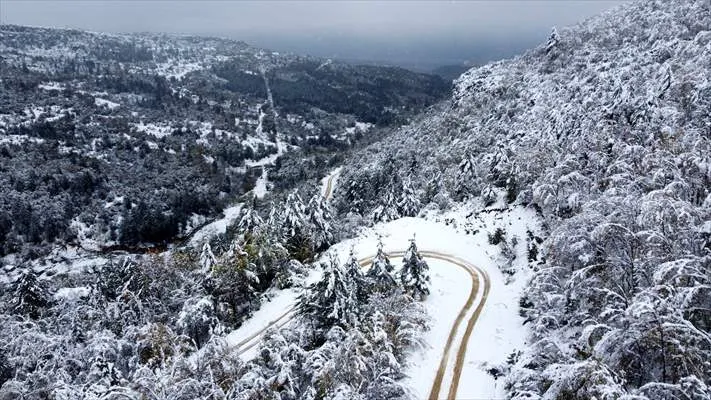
<point>468,313</point>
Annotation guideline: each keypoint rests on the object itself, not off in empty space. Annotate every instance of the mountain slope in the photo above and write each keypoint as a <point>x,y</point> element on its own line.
<point>605,129</point>
<point>128,140</point>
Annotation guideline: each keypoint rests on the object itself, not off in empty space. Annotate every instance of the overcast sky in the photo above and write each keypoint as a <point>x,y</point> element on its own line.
<point>400,32</point>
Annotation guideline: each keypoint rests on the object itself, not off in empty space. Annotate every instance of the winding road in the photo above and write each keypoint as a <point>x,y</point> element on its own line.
<point>449,370</point>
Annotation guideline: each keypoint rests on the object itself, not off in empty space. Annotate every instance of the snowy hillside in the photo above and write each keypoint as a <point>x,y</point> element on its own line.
<point>129,142</point>
<point>605,131</point>
<point>545,234</point>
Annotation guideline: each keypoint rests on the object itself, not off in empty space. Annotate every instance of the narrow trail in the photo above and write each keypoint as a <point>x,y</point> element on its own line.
<point>468,313</point>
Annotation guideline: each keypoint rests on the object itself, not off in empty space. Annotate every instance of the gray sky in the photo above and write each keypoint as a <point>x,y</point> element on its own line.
<point>401,32</point>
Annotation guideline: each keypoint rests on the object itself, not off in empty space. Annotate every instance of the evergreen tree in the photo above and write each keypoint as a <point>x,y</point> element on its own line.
<point>207,258</point>
<point>356,278</point>
<point>553,40</point>
<point>465,176</point>
<point>294,228</point>
<point>30,296</point>
<point>234,284</point>
<point>409,204</point>
<point>331,301</point>
<point>250,221</point>
<point>414,274</point>
<point>321,221</point>
<point>387,210</point>
<point>379,275</point>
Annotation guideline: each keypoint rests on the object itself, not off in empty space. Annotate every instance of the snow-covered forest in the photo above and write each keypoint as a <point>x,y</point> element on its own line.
<point>605,130</point>
<point>545,233</point>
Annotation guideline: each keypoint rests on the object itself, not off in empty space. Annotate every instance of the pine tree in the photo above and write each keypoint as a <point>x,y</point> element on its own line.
<point>250,221</point>
<point>321,221</point>
<point>207,258</point>
<point>387,211</point>
<point>553,40</point>
<point>409,204</point>
<point>294,228</point>
<point>356,278</point>
<point>465,176</point>
<point>331,300</point>
<point>414,274</point>
<point>30,296</point>
<point>6,372</point>
<point>379,275</point>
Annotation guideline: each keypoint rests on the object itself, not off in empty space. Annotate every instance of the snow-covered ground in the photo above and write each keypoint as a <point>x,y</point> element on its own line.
<point>499,329</point>
<point>261,187</point>
<point>106,103</point>
<point>328,183</point>
<point>230,215</point>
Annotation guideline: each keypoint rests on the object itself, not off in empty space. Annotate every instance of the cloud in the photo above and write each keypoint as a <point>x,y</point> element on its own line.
<point>319,24</point>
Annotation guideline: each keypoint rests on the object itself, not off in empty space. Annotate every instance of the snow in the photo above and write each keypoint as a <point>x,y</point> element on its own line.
<point>99,102</point>
<point>159,131</point>
<point>499,329</point>
<point>279,309</point>
<point>177,70</point>
<point>118,200</point>
<point>51,86</point>
<point>72,293</point>
<point>230,215</point>
<point>333,177</point>
<point>499,324</point>
<point>261,187</point>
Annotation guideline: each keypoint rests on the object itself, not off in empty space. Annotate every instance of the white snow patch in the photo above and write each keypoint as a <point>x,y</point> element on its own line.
<point>99,102</point>
<point>72,293</point>
<point>217,227</point>
<point>51,86</point>
<point>159,131</point>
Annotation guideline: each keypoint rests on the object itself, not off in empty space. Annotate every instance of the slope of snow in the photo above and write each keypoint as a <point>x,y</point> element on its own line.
<point>217,227</point>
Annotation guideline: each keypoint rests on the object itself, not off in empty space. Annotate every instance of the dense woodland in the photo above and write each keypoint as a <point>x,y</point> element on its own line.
<point>604,130</point>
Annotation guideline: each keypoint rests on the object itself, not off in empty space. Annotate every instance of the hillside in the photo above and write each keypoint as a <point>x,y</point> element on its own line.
<point>126,141</point>
<point>605,131</point>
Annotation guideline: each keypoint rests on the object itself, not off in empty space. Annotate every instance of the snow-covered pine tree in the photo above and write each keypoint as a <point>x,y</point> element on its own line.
<point>30,295</point>
<point>379,275</point>
<point>274,222</point>
<point>331,300</point>
<point>553,40</point>
<point>234,289</point>
<point>295,228</point>
<point>388,210</point>
<point>250,221</point>
<point>409,204</point>
<point>356,278</point>
<point>207,258</point>
<point>466,174</point>
<point>321,221</point>
<point>414,274</point>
